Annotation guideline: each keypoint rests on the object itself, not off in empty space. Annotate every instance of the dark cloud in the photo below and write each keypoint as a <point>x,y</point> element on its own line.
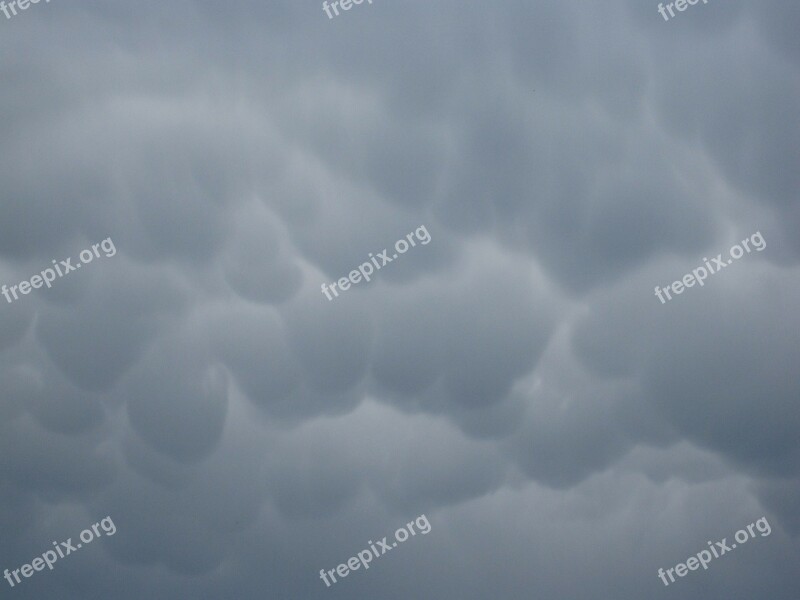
<point>515,379</point>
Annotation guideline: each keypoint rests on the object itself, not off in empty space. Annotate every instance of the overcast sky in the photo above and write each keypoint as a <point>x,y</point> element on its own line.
<point>516,379</point>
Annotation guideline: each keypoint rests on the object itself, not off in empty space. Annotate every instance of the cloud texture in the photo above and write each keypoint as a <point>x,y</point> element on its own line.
<point>515,380</point>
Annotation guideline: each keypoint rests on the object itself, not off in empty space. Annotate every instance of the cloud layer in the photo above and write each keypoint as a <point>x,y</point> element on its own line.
<point>515,380</point>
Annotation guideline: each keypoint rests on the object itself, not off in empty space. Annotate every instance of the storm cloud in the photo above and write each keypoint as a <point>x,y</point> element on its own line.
<point>515,380</point>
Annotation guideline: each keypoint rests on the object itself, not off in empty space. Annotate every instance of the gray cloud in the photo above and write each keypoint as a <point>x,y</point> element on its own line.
<point>515,380</point>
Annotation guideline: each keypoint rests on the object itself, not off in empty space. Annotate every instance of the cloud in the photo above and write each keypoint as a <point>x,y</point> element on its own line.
<point>515,379</point>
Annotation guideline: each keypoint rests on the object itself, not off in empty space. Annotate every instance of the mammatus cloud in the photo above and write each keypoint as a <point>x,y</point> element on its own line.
<point>515,379</point>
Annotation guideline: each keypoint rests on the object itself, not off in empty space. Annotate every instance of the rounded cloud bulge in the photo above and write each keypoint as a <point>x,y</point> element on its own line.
<point>512,376</point>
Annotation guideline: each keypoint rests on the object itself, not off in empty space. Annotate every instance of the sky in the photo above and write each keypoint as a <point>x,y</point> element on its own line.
<point>515,379</point>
